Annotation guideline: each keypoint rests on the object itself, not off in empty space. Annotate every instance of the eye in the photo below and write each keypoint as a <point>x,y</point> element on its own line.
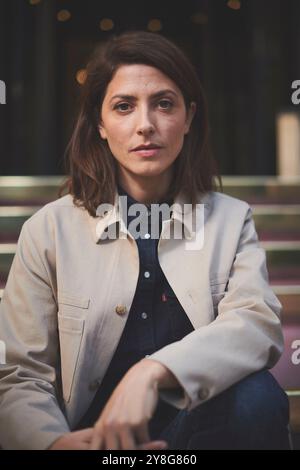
<point>123,107</point>
<point>165,104</point>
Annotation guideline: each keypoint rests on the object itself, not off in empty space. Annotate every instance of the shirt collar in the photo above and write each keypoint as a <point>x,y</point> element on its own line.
<point>131,200</point>
<point>109,216</point>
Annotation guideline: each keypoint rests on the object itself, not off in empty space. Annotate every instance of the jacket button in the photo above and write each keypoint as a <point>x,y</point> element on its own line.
<point>120,309</point>
<point>203,393</point>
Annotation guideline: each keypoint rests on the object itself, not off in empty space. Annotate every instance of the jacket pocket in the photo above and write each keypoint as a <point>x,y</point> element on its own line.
<point>73,305</point>
<point>70,337</point>
<point>73,300</point>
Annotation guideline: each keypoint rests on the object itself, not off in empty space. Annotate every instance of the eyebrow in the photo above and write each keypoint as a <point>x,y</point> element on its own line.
<point>155,95</point>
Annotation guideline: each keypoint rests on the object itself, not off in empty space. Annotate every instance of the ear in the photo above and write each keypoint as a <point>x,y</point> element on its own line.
<point>102,131</point>
<point>189,117</point>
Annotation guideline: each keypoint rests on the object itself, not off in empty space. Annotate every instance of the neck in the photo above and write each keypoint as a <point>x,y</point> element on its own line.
<point>146,190</point>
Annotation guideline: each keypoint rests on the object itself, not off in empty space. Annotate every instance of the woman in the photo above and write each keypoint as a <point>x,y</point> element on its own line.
<point>128,328</point>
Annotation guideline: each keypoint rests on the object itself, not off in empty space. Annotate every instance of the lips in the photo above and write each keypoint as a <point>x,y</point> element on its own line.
<point>146,147</point>
<point>150,150</point>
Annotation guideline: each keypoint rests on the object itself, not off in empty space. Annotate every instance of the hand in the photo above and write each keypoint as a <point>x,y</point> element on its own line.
<point>77,440</point>
<point>123,423</point>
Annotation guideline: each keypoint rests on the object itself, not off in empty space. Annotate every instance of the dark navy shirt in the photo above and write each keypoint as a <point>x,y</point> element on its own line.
<point>156,318</point>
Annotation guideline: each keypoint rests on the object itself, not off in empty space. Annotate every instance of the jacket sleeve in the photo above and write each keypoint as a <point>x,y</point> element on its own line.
<point>245,337</point>
<point>30,415</point>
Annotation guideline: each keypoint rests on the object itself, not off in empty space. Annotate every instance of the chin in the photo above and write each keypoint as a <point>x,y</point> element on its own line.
<point>151,169</point>
<point>150,173</point>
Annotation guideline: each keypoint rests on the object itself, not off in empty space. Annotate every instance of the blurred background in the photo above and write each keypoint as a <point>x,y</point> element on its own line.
<point>247,55</point>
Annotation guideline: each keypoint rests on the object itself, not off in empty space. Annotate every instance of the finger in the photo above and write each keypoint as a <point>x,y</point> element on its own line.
<point>96,441</point>
<point>127,439</point>
<point>111,441</point>
<point>83,446</point>
<point>153,445</point>
<point>142,434</point>
<point>85,434</point>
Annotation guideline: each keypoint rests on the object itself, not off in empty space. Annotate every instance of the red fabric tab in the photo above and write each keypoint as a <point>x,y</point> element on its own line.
<point>164,297</point>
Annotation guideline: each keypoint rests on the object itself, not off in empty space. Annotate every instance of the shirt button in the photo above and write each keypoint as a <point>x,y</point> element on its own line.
<point>120,309</point>
<point>144,315</point>
<point>147,235</point>
<point>147,355</point>
<point>146,274</point>
<point>203,393</point>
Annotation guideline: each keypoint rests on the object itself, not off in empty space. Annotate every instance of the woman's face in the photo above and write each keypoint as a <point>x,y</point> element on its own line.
<point>142,106</point>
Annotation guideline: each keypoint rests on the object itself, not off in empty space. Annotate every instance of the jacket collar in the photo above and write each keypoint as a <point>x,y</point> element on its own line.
<point>110,216</point>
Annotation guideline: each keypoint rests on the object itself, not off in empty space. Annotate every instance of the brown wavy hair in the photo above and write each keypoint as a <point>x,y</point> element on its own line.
<point>90,165</point>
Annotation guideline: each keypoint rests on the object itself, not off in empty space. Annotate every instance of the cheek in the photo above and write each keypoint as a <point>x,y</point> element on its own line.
<point>115,139</point>
<point>176,139</point>
<point>175,128</point>
<point>119,133</point>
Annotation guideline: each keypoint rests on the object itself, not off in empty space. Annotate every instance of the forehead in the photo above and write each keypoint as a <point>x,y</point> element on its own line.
<point>130,79</point>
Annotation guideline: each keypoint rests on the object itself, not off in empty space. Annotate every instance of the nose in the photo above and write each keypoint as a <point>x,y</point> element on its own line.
<point>145,124</point>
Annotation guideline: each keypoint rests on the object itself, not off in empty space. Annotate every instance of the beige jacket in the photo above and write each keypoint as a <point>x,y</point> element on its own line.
<point>61,323</point>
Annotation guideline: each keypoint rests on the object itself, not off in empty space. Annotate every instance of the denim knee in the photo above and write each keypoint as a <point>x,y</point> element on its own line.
<point>261,410</point>
<point>252,414</point>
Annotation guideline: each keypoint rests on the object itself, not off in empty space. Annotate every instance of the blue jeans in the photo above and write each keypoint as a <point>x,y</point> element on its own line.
<point>252,414</point>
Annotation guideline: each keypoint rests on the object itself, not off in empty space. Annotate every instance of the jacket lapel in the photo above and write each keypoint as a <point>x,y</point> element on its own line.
<point>185,264</point>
